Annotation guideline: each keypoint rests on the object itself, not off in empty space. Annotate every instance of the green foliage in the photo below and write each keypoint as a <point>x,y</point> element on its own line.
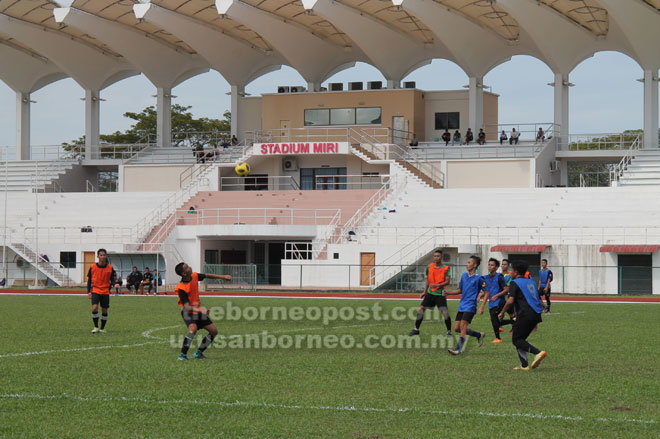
<point>186,130</point>
<point>617,141</point>
<point>593,384</point>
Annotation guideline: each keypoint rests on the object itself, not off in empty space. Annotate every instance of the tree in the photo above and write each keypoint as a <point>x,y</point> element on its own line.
<point>186,131</point>
<point>615,141</point>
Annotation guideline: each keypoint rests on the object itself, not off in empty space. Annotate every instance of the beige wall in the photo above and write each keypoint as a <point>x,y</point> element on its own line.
<point>491,116</point>
<point>292,106</point>
<point>488,174</point>
<point>154,178</point>
<point>250,115</point>
<point>444,102</point>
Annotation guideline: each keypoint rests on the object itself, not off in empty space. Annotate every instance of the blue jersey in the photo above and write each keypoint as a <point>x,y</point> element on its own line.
<point>545,276</point>
<point>529,301</point>
<point>494,284</point>
<point>470,287</point>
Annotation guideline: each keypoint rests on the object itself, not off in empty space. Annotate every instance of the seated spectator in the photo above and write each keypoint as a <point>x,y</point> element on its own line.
<point>191,210</point>
<point>199,153</point>
<point>157,282</point>
<point>446,137</point>
<point>147,279</point>
<point>224,142</point>
<point>481,137</point>
<point>469,136</point>
<point>414,142</point>
<point>540,136</point>
<point>456,139</point>
<point>234,140</point>
<point>513,139</point>
<point>117,286</point>
<point>133,281</point>
<point>502,137</point>
<point>216,152</point>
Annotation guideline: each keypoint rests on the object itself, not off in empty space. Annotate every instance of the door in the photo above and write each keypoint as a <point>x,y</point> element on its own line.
<point>398,130</point>
<point>89,258</point>
<point>635,274</point>
<point>285,126</point>
<point>367,262</point>
<point>233,257</point>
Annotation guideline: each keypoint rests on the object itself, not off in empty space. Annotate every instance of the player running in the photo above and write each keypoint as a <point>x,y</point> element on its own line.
<point>437,278</point>
<point>496,289</point>
<point>194,315</point>
<point>469,288</point>
<point>523,293</point>
<point>545,278</point>
<point>100,277</point>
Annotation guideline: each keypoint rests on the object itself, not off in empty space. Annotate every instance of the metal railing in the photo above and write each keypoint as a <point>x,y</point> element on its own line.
<point>527,131</point>
<point>256,183</point>
<point>625,161</point>
<point>341,182</point>
<point>604,141</point>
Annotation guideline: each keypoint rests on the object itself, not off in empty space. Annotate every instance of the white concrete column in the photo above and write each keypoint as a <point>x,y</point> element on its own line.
<point>561,85</point>
<point>313,86</point>
<point>22,126</point>
<point>92,124</point>
<point>237,93</point>
<point>650,109</point>
<point>164,117</point>
<point>476,105</point>
<point>393,83</point>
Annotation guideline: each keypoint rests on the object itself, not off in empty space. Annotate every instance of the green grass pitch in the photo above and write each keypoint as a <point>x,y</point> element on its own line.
<point>601,377</point>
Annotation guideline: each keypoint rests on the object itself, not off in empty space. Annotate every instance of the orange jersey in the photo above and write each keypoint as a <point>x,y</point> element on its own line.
<point>100,277</point>
<point>437,275</point>
<point>192,289</point>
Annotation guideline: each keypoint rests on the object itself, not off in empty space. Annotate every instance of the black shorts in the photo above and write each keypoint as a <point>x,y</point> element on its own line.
<point>103,299</point>
<point>431,300</point>
<point>467,316</point>
<point>543,293</point>
<point>201,320</point>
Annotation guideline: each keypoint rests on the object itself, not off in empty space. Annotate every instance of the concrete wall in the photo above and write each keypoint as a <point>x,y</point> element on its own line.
<point>457,101</point>
<point>489,174</point>
<point>250,115</point>
<point>491,116</point>
<point>151,178</point>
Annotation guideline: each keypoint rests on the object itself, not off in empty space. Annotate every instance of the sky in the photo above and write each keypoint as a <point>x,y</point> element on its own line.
<point>606,98</point>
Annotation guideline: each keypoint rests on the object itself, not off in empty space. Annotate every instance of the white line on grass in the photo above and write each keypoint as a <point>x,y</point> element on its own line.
<point>346,408</point>
<point>148,332</point>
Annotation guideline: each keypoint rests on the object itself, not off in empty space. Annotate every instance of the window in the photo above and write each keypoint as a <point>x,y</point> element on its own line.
<point>108,181</point>
<point>343,116</point>
<point>317,117</point>
<point>68,259</point>
<point>447,121</point>
<point>368,116</point>
<point>322,178</point>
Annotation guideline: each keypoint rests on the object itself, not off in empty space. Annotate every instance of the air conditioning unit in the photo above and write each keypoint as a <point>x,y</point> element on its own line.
<point>283,89</point>
<point>374,85</point>
<point>409,84</point>
<point>297,89</point>
<point>336,86</point>
<point>355,86</point>
<point>323,89</point>
<point>289,164</point>
<point>554,165</point>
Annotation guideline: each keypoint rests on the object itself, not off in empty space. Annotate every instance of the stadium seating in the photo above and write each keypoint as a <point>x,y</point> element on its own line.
<point>644,170</point>
<point>24,175</point>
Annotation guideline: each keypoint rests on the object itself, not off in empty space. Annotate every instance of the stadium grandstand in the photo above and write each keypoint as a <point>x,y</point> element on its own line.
<point>351,186</point>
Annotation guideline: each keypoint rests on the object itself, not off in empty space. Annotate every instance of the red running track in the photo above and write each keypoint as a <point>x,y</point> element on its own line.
<point>294,295</point>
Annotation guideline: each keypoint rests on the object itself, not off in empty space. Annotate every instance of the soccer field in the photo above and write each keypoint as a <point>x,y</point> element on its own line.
<point>600,379</point>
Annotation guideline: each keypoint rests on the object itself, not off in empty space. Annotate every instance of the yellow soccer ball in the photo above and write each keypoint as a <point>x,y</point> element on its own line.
<point>242,169</point>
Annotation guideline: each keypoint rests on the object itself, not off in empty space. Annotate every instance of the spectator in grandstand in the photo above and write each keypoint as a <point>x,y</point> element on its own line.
<point>191,210</point>
<point>513,139</point>
<point>446,137</point>
<point>199,153</point>
<point>481,137</point>
<point>224,142</point>
<point>469,136</point>
<point>540,136</point>
<point>147,279</point>
<point>502,137</point>
<point>414,142</point>
<point>456,139</point>
<point>234,140</point>
<point>157,282</point>
<point>117,285</point>
<point>133,281</point>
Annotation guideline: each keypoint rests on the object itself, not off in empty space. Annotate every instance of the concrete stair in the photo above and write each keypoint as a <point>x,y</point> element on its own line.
<point>644,170</point>
<point>24,175</point>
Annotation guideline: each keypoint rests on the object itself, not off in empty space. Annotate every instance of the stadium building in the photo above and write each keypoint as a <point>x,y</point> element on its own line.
<point>350,185</point>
